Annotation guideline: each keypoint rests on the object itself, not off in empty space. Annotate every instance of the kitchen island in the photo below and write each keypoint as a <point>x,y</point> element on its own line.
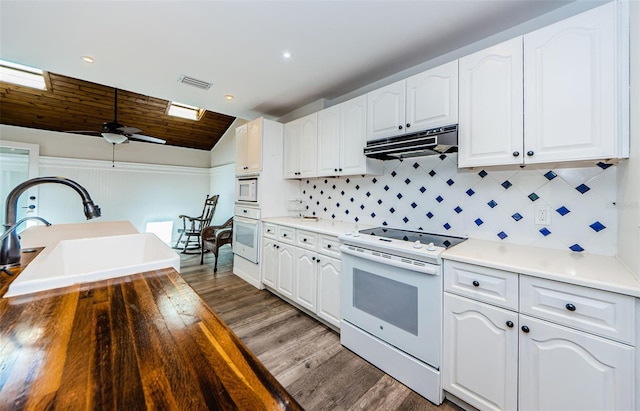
<point>143,341</point>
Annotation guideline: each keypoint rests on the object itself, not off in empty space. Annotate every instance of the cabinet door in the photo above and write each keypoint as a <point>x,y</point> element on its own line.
<point>269,264</point>
<point>306,279</point>
<point>353,136</point>
<point>286,265</point>
<point>291,144</point>
<point>570,88</point>
<point>386,111</point>
<point>491,104</point>
<point>329,290</point>
<point>329,141</point>
<point>254,145</point>
<point>564,369</point>
<point>480,353</point>
<point>241,149</point>
<point>432,98</point>
<point>308,146</point>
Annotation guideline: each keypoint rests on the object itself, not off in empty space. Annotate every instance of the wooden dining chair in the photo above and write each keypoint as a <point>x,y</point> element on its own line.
<point>214,237</point>
<point>192,226</point>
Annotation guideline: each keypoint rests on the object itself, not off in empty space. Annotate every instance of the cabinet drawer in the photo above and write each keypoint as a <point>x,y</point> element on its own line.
<point>270,230</point>
<point>329,246</point>
<point>307,240</point>
<point>600,312</point>
<point>287,234</point>
<point>492,286</point>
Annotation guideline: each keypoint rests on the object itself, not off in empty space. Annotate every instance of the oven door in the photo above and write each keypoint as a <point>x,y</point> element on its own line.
<point>245,238</point>
<point>398,305</point>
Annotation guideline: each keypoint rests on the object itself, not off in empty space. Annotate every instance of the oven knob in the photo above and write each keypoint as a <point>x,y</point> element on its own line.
<point>417,244</point>
<point>431,247</point>
<point>356,234</point>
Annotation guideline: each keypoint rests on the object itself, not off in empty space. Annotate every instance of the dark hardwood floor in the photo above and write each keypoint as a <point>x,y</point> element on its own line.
<point>303,354</point>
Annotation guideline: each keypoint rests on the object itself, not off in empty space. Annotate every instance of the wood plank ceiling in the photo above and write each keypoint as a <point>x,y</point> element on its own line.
<point>70,104</point>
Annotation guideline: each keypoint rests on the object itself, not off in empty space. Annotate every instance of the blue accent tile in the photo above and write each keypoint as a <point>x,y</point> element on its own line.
<point>502,235</point>
<point>482,173</point>
<point>407,181</point>
<point>356,219</point>
<point>416,165</point>
<point>341,192</point>
<point>429,215</point>
<point>583,188</point>
<point>393,174</point>
<point>450,182</point>
<point>422,189</point>
<point>432,173</point>
<point>533,196</point>
<point>563,211</point>
<point>368,194</point>
<point>550,175</point>
<point>386,188</point>
<point>602,165</point>
<point>447,226</point>
<point>517,216</point>
<point>439,199</point>
<point>385,223</point>
<point>597,226</point>
<point>373,180</point>
<point>346,211</point>
<point>379,201</point>
<point>373,215</point>
<point>357,187</point>
<point>576,248</point>
<point>406,220</point>
<point>361,206</point>
<point>458,209</point>
<point>413,205</point>
<point>352,199</point>
<point>392,210</point>
<point>492,204</point>
<point>544,231</point>
<point>470,192</point>
<point>443,156</point>
<point>478,222</point>
<point>506,184</point>
<point>399,196</point>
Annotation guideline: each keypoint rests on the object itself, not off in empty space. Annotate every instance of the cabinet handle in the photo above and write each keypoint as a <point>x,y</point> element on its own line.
<point>570,307</point>
<point>339,169</point>
<point>318,260</point>
<point>510,324</point>
<point>304,240</point>
<point>525,329</point>
<point>328,245</point>
<point>399,127</point>
<point>284,234</point>
<point>313,258</point>
<point>335,169</point>
<point>408,125</point>
<point>529,153</point>
<point>516,153</point>
<point>476,283</point>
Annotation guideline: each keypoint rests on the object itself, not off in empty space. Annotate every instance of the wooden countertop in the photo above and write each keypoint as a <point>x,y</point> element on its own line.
<point>141,341</point>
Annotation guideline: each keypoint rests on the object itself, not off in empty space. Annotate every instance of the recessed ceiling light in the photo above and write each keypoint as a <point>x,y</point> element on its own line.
<point>229,97</point>
<point>286,54</point>
<point>88,59</point>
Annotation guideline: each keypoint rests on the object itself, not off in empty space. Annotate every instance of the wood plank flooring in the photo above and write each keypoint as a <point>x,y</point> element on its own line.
<point>304,355</point>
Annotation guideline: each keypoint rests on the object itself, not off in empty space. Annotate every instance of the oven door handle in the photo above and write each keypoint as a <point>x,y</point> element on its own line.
<point>425,268</point>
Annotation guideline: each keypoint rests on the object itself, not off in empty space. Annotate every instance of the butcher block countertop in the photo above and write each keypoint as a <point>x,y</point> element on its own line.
<point>144,341</point>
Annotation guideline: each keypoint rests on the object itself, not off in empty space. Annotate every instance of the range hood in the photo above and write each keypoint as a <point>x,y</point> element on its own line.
<point>435,141</point>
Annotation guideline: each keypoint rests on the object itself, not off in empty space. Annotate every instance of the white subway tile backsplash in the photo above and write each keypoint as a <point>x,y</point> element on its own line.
<point>498,204</point>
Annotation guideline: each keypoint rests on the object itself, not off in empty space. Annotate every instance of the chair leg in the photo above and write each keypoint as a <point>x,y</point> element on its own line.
<point>179,238</point>
<point>215,265</point>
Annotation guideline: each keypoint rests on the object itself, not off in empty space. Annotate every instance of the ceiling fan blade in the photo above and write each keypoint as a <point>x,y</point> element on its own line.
<point>128,130</point>
<point>85,132</point>
<point>147,138</point>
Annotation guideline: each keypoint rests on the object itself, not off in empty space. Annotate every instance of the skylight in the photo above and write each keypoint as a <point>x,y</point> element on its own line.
<point>185,111</point>
<point>22,75</point>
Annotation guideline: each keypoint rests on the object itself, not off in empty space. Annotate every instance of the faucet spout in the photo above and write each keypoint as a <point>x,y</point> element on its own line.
<point>10,250</point>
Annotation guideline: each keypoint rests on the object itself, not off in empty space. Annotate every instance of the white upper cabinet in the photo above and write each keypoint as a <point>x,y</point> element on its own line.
<point>573,107</point>
<point>570,88</point>
<point>300,145</point>
<point>422,101</point>
<point>491,118</point>
<point>341,140</point>
<point>249,147</point>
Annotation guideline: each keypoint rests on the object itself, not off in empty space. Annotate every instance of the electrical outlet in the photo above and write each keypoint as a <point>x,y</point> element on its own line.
<point>542,215</point>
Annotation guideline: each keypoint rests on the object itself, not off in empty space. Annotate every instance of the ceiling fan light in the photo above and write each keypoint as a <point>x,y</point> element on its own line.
<point>114,138</point>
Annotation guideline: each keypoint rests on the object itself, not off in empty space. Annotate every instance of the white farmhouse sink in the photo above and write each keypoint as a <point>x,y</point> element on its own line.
<point>93,259</point>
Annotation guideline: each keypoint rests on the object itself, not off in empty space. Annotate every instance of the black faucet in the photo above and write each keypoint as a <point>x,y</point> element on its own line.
<point>10,250</point>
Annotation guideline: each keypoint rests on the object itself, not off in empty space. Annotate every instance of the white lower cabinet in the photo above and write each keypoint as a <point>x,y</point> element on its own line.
<point>304,268</point>
<point>498,358</point>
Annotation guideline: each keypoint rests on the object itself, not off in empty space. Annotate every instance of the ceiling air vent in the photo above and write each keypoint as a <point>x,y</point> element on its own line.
<point>194,82</point>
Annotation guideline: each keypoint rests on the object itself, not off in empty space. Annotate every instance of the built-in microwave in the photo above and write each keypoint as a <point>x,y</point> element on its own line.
<point>247,189</point>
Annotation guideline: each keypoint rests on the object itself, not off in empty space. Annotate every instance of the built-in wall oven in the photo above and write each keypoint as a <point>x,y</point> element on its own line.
<point>392,303</point>
<point>246,231</point>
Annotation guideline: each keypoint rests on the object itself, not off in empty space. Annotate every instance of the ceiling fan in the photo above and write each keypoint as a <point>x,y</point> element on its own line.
<point>117,133</point>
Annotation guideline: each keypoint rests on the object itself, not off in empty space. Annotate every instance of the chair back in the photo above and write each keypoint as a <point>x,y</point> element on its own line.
<point>208,211</point>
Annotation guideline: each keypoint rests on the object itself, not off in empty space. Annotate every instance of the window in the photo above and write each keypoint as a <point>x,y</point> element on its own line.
<point>184,111</point>
<point>22,75</point>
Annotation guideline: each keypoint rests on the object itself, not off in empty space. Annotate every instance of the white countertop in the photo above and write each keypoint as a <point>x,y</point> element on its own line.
<point>43,236</point>
<point>596,271</point>
<point>322,226</point>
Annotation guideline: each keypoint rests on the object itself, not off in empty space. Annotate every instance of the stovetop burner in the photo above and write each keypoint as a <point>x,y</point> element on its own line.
<point>439,240</point>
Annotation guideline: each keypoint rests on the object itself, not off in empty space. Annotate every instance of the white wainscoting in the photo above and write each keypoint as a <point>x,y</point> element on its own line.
<point>139,193</point>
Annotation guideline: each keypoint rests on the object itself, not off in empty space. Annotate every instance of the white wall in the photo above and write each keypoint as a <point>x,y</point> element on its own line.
<point>222,182</point>
<point>224,152</point>
<point>67,145</point>
<point>629,171</point>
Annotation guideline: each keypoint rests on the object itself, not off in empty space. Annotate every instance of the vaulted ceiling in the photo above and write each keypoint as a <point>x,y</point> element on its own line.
<point>72,105</point>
